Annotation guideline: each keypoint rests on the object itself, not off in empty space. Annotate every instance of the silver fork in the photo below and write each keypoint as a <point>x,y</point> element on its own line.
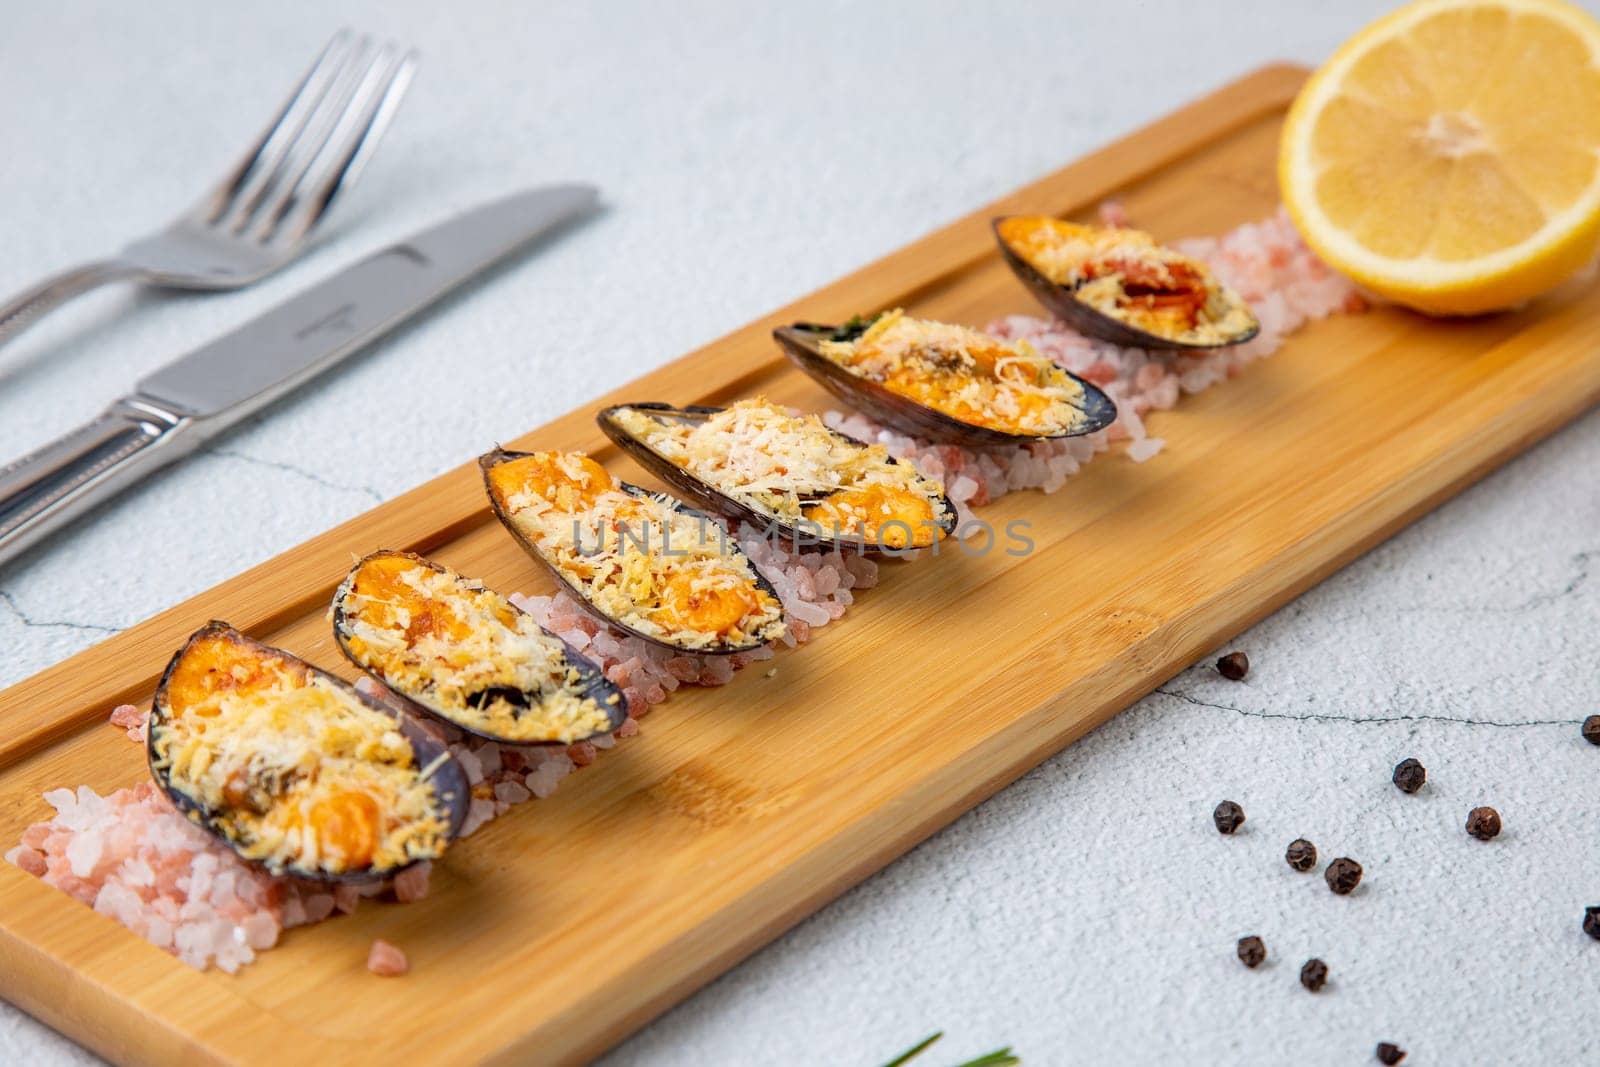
<point>258,217</point>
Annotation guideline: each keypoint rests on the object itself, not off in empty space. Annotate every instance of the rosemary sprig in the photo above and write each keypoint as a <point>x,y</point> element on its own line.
<point>1001,1057</point>
<point>920,1046</point>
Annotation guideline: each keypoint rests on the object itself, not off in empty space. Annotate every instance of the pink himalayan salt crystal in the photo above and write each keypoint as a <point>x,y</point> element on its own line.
<point>318,906</point>
<point>133,857</point>
<point>512,792</point>
<point>346,898</point>
<point>387,960</point>
<point>412,883</point>
<point>131,719</point>
<point>1145,448</point>
<point>30,861</point>
<point>260,930</point>
<point>543,778</point>
<point>479,811</point>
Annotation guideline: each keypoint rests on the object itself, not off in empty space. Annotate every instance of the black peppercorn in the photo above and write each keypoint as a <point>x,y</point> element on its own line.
<point>1228,817</point>
<point>1314,975</point>
<point>1591,922</point>
<point>1483,823</point>
<point>1301,854</point>
<point>1409,775</point>
<point>1389,1053</point>
<point>1343,875</point>
<point>1591,729</point>
<point>1234,666</point>
<point>1252,951</point>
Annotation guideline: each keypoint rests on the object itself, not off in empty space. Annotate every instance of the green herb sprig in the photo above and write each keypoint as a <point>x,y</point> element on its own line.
<point>1000,1057</point>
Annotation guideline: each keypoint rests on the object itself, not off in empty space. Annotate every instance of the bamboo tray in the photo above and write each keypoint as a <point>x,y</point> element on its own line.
<point>563,926</point>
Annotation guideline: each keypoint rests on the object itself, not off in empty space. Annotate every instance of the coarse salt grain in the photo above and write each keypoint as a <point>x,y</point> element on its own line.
<point>387,960</point>
<point>1145,448</point>
<point>412,883</point>
<point>511,792</point>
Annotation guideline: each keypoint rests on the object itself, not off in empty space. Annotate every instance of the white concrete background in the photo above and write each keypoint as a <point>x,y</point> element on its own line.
<point>751,153</point>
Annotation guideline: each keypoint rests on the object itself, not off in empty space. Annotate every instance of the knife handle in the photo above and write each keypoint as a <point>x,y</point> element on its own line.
<point>45,489</point>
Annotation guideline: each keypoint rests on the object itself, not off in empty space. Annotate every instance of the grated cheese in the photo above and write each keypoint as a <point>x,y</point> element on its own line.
<point>965,374</point>
<point>1093,262</point>
<point>295,770</point>
<point>638,560</point>
<point>787,466</point>
<point>460,649</point>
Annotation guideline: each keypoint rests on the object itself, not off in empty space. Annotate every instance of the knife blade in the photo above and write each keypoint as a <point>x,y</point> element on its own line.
<point>305,335</point>
<point>197,396</point>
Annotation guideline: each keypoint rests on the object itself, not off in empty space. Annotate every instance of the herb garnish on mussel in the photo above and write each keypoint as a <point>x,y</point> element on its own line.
<point>946,383</point>
<point>1121,286</point>
<point>467,655</point>
<point>786,474</point>
<point>294,769</point>
<point>644,562</point>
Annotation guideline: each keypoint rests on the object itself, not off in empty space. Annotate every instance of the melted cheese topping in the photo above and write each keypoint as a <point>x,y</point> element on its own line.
<point>296,771</point>
<point>670,576</point>
<point>795,469</point>
<point>465,652</point>
<point>965,374</point>
<point>1127,276</point>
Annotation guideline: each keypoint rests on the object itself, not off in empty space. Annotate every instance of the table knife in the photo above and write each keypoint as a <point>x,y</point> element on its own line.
<point>191,400</point>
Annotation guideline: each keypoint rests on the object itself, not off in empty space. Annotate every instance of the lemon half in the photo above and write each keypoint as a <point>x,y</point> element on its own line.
<point>1447,157</point>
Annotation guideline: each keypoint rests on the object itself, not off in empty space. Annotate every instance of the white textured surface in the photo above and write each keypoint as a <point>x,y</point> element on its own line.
<point>1086,915</point>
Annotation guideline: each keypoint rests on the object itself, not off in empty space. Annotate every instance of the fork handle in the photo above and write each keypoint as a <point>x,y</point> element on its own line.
<point>28,306</point>
<point>44,490</point>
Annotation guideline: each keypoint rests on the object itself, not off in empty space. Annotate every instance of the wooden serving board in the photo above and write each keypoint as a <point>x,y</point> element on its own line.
<point>561,927</point>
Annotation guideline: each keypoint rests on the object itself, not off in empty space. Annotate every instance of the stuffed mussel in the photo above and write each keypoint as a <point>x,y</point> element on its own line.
<point>643,562</point>
<point>946,383</point>
<point>1121,286</point>
<point>294,769</point>
<point>467,655</point>
<point>785,473</point>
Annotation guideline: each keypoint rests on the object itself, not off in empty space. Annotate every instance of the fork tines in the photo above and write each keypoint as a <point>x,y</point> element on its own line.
<point>316,145</point>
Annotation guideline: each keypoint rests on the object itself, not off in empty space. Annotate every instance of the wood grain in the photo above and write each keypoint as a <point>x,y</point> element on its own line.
<point>559,928</point>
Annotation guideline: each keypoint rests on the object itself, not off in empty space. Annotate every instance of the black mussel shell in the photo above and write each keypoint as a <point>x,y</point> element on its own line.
<point>491,459</point>
<point>593,682</point>
<point>427,746</point>
<point>801,342</point>
<point>1062,301</point>
<point>709,498</point>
